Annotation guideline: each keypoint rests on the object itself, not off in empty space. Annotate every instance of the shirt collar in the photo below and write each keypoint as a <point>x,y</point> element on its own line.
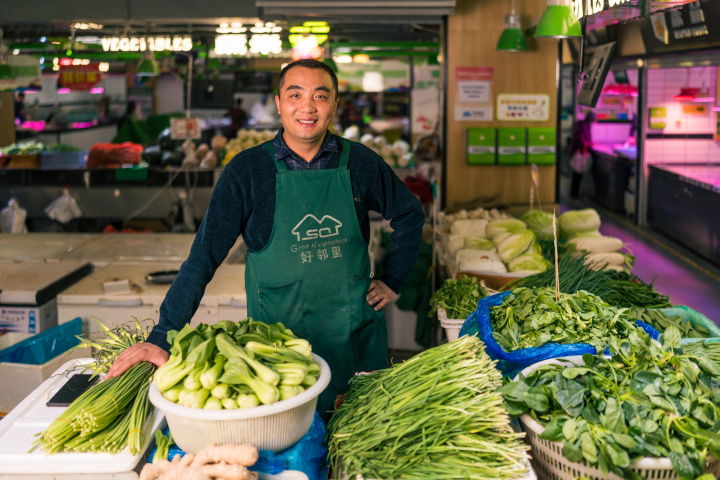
<point>330,144</point>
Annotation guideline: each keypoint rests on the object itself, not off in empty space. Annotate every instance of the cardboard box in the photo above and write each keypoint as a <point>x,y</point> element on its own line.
<point>20,379</point>
<point>24,161</point>
<point>29,318</point>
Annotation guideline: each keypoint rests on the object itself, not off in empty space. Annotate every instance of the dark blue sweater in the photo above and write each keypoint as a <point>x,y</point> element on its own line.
<point>243,203</point>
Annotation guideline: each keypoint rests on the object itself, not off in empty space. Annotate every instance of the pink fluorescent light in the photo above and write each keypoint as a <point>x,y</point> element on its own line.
<point>63,91</point>
<point>97,90</point>
<point>30,91</point>
<point>704,99</point>
<point>684,98</point>
<point>81,124</point>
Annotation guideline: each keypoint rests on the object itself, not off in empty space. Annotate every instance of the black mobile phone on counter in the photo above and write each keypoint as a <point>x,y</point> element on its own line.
<point>73,388</point>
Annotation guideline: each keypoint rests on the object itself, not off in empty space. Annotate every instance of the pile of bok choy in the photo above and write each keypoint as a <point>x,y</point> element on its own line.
<point>235,365</point>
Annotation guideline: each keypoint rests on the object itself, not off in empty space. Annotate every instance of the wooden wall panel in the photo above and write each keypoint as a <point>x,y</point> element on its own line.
<point>473,33</point>
<point>7,119</point>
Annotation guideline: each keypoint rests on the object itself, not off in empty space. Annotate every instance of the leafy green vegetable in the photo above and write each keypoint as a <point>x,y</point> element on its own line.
<point>435,416</point>
<point>661,322</point>
<point>575,221</point>
<point>539,222</point>
<point>532,318</point>
<point>647,400</point>
<point>459,298</point>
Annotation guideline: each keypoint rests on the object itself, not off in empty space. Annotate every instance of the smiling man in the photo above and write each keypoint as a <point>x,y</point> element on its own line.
<point>301,203</point>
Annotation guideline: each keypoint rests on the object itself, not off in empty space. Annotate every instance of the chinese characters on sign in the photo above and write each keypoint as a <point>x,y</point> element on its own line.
<point>79,77</point>
<point>474,94</point>
<point>183,128</point>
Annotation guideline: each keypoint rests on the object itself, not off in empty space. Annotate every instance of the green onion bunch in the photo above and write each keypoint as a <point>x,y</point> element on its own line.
<point>107,418</point>
<point>576,272</point>
<point>435,416</point>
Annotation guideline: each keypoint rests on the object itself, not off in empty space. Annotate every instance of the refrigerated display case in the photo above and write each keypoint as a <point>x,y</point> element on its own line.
<point>28,292</point>
<point>224,297</point>
<point>41,247</point>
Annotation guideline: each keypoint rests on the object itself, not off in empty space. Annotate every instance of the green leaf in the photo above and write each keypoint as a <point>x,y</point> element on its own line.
<point>708,365</point>
<point>676,445</point>
<point>568,429</point>
<point>671,337</point>
<point>536,400</point>
<point>589,450</point>
<point>514,408</point>
<point>617,456</point>
<point>685,465</point>
<point>553,430</point>
<point>574,372</point>
<point>571,452</point>
<point>623,440</point>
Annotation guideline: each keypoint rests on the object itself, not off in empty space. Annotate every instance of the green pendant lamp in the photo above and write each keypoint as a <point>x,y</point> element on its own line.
<point>512,38</point>
<point>148,67</point>
<point>558,21</point>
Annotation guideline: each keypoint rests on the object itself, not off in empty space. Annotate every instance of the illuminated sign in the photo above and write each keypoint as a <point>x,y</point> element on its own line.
<point>265,43</point>
<point>142,44</point>
<point>231,44</point>
<point>79,77</point>
<point>594,6</point>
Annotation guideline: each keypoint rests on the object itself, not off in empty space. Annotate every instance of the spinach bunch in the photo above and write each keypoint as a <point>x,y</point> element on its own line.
<point>647,400</point>
<point>660,322</point>
<point>530,317</point>
<point>459,298</point>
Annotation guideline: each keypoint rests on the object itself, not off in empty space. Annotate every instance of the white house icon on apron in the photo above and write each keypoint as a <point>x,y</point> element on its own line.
<point>310,227</point>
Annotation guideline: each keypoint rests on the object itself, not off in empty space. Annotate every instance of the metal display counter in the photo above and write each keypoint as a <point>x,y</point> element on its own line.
<point>611,170</point>
<point>684,204</point>
<point>111,193</point>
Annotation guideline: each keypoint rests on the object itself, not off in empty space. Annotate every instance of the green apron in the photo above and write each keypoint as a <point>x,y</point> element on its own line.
<point>314,273</point>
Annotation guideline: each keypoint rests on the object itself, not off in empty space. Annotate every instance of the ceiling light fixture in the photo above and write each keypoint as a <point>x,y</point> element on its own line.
<point>512,38</point>
<point>558,21</point>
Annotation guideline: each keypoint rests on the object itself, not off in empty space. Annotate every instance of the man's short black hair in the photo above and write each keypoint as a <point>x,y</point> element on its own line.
<point>308,63</point>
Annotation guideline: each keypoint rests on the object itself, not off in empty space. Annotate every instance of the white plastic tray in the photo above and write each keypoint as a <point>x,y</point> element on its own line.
<point>31,416</point>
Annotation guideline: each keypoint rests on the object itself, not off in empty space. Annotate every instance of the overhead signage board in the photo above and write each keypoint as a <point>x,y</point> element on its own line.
<point>21,71</point>
<point>142,44</point>
<point>694,26</point>
<point>79,77</point>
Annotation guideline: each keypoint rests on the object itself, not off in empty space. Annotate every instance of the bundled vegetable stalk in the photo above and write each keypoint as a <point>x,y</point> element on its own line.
<point>111,415</point>
<point>435,416</point>
<point>532,318</point>
<point>620,289</point>
<point>647,400</point>
<point>459,298</point>
<point>254,363</point>
<point>107,418</point>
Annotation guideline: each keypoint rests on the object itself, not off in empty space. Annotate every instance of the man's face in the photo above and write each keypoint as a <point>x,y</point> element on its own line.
<point>306,104</point>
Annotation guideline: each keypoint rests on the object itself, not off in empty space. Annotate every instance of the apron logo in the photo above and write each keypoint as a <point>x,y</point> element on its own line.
<point>310,228</point>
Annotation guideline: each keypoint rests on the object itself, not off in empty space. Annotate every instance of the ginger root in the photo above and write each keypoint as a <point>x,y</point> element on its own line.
<point>225,462</point>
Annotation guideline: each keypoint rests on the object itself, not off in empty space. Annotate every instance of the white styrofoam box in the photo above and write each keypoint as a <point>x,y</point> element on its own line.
<point>29,318</point>
<point>18,380</point>
<point>11,338</point>
<point>224,297</point>
<point>32,416</point>
<point>401,328</point>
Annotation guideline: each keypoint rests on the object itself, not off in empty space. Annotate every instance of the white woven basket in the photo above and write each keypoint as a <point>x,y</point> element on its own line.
<point>268,427</point>
<point>549,462</point>
<point>452,326</point>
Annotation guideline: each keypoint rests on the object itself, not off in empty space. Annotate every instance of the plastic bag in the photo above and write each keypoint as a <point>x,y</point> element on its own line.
<point>12,218</point>
<point>509,363</point>
<point>694,317</point>
<point>64,208</point>
<point>308,455</point>
<point>44,346</point>
<point>581,161</point>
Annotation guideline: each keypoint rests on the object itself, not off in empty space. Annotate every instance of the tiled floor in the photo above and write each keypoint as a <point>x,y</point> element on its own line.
<point>687,278</point>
